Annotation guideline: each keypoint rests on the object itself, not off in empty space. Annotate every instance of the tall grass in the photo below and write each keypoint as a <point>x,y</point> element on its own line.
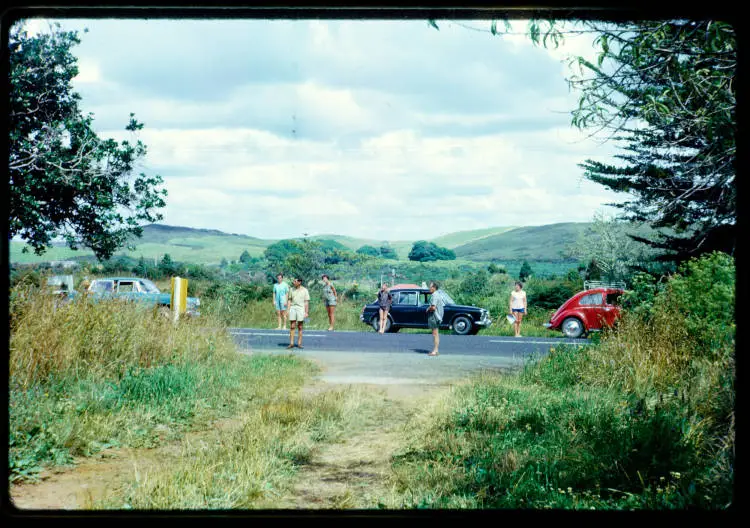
<point>643,419</point>
<point>89,375</point>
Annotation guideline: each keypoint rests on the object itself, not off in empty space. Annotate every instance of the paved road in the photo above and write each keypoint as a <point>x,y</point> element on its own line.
<point>478,345</point>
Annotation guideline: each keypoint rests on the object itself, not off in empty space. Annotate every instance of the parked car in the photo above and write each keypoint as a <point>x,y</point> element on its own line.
<point>409,310</point>
<point>60,285</point>
<point>140,290</point>
<point>587,311</point>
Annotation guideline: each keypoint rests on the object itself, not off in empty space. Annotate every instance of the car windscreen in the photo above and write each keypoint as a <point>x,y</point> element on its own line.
<point>101,286</point>
<point>148,286</point>
<point>447,298</point>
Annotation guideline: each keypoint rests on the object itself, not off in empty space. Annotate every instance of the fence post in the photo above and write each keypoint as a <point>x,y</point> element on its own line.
<point>178,300</point>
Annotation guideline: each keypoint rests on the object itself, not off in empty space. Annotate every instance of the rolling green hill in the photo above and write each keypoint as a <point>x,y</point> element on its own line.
<point>530,243</point>
<point>459,238</point>
<point>209,246</point>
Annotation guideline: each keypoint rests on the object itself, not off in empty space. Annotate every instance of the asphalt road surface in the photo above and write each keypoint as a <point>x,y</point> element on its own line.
<point>369,357</point>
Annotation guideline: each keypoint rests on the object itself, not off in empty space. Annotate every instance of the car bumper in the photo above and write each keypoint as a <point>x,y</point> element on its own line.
<point>547,325</point>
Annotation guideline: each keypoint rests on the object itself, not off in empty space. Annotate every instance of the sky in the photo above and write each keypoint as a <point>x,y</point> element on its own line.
<point>382,129</point>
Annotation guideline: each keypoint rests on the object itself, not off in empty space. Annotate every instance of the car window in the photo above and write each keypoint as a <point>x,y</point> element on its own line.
<point>614,298</point>
<point>126,287</point>
<point>148,286</point>
<point>592,299</point>
<point>102,286</point>
<point>408,298</point>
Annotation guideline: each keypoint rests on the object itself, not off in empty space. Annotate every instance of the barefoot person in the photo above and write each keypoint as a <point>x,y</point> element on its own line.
<point>299,308</point>
<point>435,315</point>
<point>329,297</point>
<point>385,300</point>
<point>518,306</point>
<point>280,292</point>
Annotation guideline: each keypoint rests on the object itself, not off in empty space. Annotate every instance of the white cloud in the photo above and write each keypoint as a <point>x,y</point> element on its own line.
<point>379,129</point>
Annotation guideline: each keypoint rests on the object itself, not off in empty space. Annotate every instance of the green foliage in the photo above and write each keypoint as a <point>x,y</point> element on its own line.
<point>611,251</point>
<point>368,250</point>
<point>387,252</point>
<point>703,294</point>
<point>276,254</point>
<point>423,251</point>
<point>676,79</point>
<point>245,257</point>
<point>65,181</point>
<point>525,272</point>
<point>550,294</point>
<point>473,287</point>
<point>493,269</point>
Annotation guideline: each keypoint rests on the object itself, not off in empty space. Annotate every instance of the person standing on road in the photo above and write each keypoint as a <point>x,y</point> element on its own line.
<point>518,306</point>
<point>280,292</point>
<point>299,308</point>
<point>385,300</point>
<point>329,297</point>
<point>435,315</point>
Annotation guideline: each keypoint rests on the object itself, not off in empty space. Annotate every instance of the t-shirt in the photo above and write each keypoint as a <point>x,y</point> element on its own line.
<point>298,296</point>
<point>328,292</point>
<point>517,298</point>
<point>436,300</point>
<point>280,291</point>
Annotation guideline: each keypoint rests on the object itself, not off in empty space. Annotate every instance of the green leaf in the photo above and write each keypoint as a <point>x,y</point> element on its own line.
<point>493,27</point>
<point>433,24</point>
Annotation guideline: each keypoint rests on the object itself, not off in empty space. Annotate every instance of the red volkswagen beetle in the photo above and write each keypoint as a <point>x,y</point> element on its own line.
<point>586,311</point>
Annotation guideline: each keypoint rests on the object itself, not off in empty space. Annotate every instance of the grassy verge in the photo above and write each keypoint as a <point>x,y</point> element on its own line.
<point>86,376</point>
<point>644,419</point>
<point>250,466</point>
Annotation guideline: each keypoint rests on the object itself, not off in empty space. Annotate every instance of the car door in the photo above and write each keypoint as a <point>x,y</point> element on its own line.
<point>128,289</point>
<point>405,310</point>
<point>611,310</point>
<point>592,308</point>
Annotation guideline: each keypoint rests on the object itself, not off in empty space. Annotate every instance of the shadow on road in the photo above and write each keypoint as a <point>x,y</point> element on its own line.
<point>420,350</point>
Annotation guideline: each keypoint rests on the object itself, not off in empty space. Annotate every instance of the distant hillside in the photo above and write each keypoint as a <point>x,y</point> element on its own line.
<point>209,246</point>
<point>459,238</point>
<point>185,244</point>
<point>546,242</point>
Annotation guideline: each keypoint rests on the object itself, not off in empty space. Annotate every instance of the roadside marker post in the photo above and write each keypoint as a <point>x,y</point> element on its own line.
<point>178,300</point>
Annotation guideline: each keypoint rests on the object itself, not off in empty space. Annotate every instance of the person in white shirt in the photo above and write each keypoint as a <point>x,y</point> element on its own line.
<point>298,304</point>
<point>518,306</point>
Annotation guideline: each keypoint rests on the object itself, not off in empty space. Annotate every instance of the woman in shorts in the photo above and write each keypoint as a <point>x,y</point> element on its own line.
<point>329,297</point>
<point>385,300</point>
<point>518,306</point>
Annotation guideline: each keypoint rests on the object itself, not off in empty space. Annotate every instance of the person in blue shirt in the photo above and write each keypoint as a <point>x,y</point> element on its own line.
<point>280,294</point>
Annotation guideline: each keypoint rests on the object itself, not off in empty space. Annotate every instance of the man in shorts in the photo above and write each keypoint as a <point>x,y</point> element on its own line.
<point>280,292</point>
<point>299,308</point>
<point>435,315</point>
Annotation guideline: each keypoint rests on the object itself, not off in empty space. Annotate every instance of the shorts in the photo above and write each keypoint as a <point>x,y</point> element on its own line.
<point>519,310</point>
<point>331,301</point>
<point>433,322</point>
<point>297,313</point>
<point>280,304</point>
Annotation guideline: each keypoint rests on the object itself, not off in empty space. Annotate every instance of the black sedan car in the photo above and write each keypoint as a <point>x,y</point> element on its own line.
<point>409,310</point>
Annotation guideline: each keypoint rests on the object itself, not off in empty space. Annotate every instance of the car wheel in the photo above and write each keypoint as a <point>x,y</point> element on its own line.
<point>572,327</point>
<point>462,325</point>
